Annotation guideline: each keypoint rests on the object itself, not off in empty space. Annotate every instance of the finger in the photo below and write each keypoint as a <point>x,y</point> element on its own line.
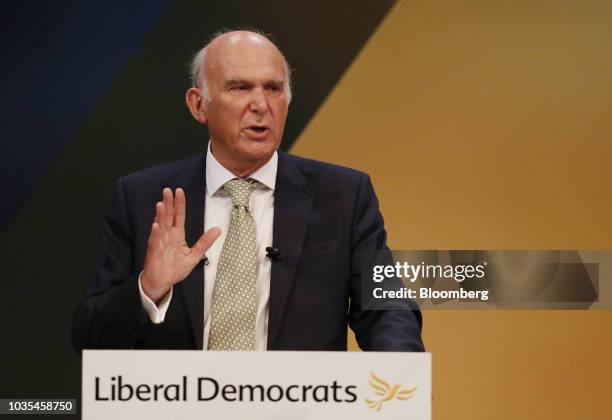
<point>160,215</point>
<point>179,208</point>
<point>155,235</point>
<point>168,203</point>
<point>205,242</point>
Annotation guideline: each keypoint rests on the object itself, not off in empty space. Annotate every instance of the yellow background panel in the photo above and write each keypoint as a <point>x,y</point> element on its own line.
<point>488,125</point>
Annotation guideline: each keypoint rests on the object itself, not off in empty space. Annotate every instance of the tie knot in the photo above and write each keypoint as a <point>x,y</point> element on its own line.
<point>239,190</point>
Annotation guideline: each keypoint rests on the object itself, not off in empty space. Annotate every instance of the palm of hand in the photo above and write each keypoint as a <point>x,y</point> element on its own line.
<point>169,259</point>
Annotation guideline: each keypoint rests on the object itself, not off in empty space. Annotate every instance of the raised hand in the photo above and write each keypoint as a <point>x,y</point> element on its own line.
<point>169,259</point>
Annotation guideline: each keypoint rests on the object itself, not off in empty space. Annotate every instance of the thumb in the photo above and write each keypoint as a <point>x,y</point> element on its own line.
<point>205,242</point>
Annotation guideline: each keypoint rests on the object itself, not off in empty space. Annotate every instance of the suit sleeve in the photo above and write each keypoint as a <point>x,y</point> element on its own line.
<point>376,330</point>
<point>111,316</point>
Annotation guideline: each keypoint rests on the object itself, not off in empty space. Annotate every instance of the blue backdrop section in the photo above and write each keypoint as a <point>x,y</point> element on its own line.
<point>93,90</point>
<point>59,60</point>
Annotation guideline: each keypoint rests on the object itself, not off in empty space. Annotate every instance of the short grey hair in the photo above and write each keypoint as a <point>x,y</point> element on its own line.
<point>197,66</point>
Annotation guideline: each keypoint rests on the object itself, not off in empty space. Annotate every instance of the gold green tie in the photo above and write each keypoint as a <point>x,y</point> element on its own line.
<point>233,308</point>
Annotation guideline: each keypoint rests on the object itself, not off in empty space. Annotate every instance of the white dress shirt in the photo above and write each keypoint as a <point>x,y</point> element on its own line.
<point>217,212</point>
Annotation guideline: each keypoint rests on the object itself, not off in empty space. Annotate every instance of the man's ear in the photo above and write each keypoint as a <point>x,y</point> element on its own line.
<point>196,104</point>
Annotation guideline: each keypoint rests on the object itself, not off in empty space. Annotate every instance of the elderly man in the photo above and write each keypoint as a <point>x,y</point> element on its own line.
<point>249,248</point>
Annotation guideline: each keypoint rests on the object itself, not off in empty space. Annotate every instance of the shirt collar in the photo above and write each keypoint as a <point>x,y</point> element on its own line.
<point>217,175</point>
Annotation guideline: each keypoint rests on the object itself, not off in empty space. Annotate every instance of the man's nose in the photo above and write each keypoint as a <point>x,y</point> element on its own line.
<point>259,102</point>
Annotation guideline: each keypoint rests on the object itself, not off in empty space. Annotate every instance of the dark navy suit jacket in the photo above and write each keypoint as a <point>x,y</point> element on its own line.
<point>326,221</point>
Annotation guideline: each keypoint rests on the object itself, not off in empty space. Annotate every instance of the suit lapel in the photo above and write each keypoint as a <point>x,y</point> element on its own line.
<point>193,181</point>
<point>293,198</point>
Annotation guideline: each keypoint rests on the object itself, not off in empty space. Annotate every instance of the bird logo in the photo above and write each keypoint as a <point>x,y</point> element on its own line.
<point>387,392</point>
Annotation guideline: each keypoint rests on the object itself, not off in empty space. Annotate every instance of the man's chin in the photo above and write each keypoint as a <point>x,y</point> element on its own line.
<point>259,148</point>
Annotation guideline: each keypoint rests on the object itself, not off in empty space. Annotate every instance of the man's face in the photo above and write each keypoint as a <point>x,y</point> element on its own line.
<point>248,104</point>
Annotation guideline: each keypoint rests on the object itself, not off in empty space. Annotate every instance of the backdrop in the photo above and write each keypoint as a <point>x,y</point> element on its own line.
<point>484,124</point>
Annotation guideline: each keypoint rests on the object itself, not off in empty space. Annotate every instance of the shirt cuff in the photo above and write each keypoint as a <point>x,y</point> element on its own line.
<point>156,313</point>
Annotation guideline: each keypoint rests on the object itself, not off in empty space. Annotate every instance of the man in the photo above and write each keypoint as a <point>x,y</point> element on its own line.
<point>318,221</point>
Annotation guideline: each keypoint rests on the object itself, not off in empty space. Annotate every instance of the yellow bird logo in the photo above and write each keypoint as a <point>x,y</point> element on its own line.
<point>387,392</point>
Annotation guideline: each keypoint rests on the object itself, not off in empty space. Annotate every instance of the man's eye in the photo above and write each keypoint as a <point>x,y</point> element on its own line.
<point>239,87</point>
<point>274,88</point>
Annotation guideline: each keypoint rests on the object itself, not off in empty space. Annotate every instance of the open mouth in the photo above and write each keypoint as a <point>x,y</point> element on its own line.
<point>257,131</point>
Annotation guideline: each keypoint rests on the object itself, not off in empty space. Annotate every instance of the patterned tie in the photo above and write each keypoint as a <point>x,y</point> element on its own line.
<point>233,304</point>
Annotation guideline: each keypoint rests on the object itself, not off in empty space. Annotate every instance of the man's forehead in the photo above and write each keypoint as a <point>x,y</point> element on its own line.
<point>245,63</point>
<point>257,78</point>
